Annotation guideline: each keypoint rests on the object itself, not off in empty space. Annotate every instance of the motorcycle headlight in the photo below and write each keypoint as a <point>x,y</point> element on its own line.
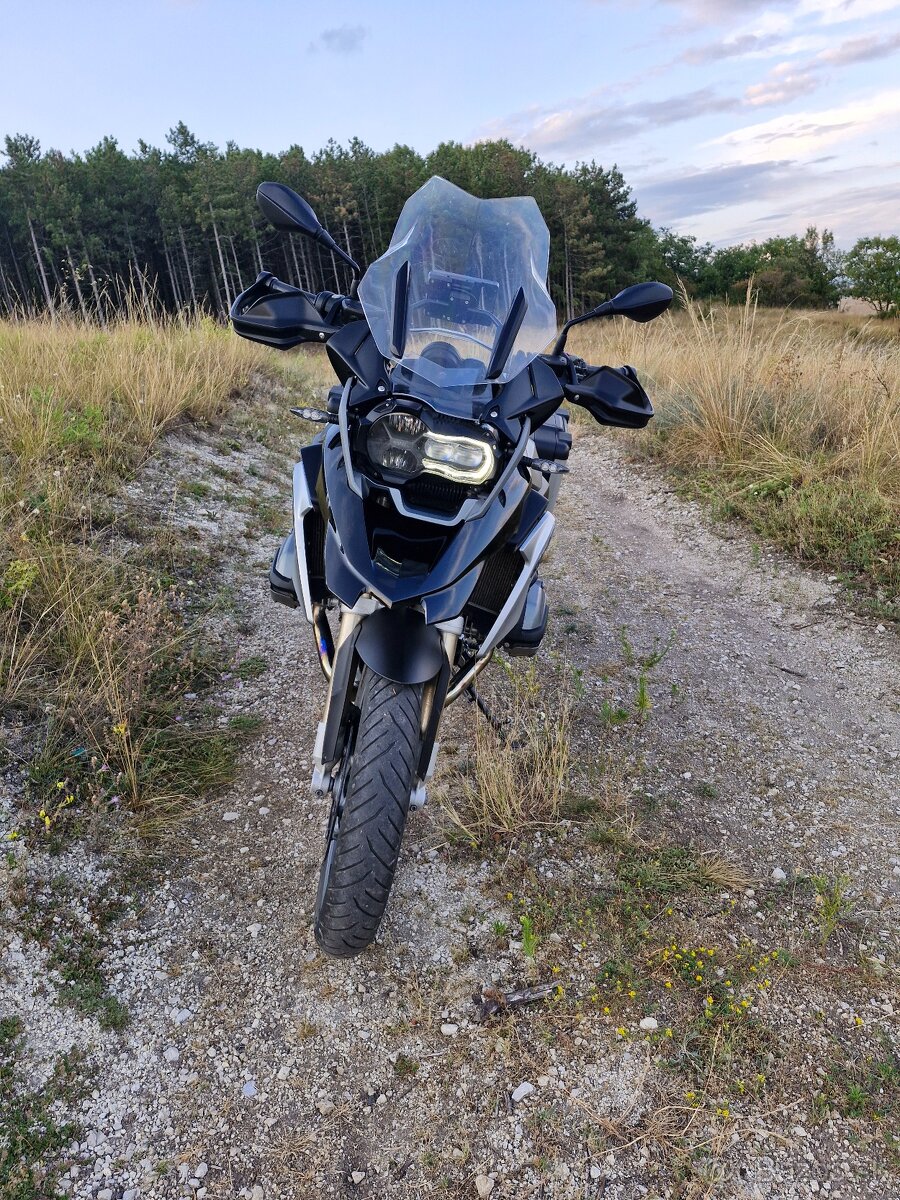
<point>402,442</point>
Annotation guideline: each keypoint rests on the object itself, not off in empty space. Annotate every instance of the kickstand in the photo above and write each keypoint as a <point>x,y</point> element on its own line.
<point>484,708</point>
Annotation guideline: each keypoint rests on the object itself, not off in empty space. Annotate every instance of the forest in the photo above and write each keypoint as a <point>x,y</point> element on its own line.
<point>178,228</point>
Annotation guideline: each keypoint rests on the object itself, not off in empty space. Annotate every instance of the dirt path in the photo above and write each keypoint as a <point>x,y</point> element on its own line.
<point>776,712</point>
<point>252,1067</point>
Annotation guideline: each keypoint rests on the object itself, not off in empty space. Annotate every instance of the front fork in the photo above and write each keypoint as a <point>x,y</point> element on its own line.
<point>434,696</point>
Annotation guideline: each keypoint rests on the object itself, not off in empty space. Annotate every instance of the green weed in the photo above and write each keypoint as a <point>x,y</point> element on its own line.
<point>642,701</point>
<point>405,1067</point>
<point>252,668</point>
<point>529,937</point>
<point>613,714</point>
<point>831,903</point>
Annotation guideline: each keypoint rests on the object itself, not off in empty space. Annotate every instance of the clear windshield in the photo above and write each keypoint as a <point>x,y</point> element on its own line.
<point>460,297</point>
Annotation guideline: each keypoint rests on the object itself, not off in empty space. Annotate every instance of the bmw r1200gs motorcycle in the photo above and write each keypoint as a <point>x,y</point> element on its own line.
<point>423,510</point>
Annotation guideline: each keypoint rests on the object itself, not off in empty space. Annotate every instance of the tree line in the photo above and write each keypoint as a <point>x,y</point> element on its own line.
<point>178,226</point>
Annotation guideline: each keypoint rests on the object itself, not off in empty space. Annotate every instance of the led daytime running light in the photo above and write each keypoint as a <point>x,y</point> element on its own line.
<point>466,460</point>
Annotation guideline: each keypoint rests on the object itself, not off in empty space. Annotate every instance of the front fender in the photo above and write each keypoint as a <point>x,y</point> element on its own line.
<point>397,644</point>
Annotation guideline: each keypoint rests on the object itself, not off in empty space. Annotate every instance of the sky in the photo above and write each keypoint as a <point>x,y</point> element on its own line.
<point>731,119</point>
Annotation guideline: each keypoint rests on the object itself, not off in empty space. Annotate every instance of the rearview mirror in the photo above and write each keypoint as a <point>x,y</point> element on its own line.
<point>287,211</point>
<point>290,213</point>
<point>640,302</point>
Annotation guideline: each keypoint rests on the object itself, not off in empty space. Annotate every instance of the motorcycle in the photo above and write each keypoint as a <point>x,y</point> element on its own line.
<point>422,510</point>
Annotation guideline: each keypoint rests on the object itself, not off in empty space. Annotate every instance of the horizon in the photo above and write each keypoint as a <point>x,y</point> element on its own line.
<point>731,120</point>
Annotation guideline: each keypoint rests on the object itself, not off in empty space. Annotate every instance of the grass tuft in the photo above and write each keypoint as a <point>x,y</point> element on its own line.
<point>523,783</point>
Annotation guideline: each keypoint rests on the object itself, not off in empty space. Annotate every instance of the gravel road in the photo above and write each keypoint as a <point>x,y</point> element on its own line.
<point>785,703</point>
<point>252,1067</point>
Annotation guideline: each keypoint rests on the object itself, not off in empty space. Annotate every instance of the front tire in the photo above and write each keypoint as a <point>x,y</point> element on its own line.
<point>371,800</point>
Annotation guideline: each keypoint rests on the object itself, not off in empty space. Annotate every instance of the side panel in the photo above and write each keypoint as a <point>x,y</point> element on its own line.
<point>306,473</point>
<point>532,551</point>
<point>353,352</point>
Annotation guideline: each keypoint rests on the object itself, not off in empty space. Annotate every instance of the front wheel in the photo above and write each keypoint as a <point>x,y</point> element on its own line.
<point>369,807</point>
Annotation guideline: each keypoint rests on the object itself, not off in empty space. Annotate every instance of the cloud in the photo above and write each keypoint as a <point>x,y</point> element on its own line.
<point>343,39</point>
<point>592,123</point>
<point>850,213</point>
<point>767,45</point>
<point>826,12</point>
<point>673,197</point>
<point>581,126</point>
<point>796,194</point>
<point>739,47</point>
<point>834,12</point>
<point>717,9</point>
<point>861,49</point>
<point>785,83</point>
<point>810,132</point>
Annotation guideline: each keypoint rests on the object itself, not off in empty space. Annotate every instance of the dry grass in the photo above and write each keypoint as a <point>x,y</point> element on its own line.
<point>792,420</point>
<point>74,395</point>
<point>776,393</point>
<point>93,648</point>
<point>521,782</point>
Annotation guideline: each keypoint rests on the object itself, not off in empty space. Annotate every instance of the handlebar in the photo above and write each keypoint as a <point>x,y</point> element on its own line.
<point>330,306</point>
<point>335,311</point>
<point>568,367</point>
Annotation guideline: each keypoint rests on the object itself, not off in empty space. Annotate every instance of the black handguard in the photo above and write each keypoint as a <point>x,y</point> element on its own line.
<point>277,286</point>
<point>278,314</point>
<point>612,395</point>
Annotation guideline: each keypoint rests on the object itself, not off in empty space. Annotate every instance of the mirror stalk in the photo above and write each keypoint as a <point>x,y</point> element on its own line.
<point>602,310</point>
<point>330,244</point>
<point>640,302</point>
